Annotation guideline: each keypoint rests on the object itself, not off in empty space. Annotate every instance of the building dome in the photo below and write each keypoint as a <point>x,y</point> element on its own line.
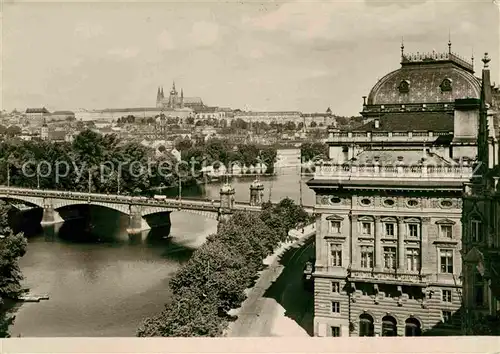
<point>427,78</point>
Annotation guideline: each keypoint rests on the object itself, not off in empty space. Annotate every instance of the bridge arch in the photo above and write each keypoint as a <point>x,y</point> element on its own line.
<point>35,201</point>
<point>61,203</point>
<point>148,211</point>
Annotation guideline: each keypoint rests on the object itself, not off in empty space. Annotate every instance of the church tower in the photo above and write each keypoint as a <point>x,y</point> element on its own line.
<point>173,98</point>
<point>158,98</point>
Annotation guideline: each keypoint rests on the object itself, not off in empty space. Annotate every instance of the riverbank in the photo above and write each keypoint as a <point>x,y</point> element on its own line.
<point>261,316</point>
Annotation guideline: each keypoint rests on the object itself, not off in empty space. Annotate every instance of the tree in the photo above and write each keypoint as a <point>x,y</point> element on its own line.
<point>188,315</point>
<point>189,120</point>
<point>312,151</point>
<point>213,281</point>
<point>183,144</point>
<point>313,124</point>
<point>12,247</point>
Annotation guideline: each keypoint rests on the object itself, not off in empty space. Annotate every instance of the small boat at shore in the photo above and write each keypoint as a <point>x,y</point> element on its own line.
<point>32,298</point>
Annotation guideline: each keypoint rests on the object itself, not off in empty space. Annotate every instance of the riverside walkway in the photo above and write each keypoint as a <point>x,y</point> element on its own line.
<point>261,314</point>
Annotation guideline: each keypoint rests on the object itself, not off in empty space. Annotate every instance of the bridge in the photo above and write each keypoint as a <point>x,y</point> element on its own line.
<point>139,209</point>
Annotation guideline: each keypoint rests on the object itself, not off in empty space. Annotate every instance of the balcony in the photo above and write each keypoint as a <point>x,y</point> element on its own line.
<point>329,171</point>
<point>388,277</point>
<point>386,137</point>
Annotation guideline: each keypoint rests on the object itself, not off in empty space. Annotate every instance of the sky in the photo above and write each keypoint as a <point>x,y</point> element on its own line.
<point>276,55</point>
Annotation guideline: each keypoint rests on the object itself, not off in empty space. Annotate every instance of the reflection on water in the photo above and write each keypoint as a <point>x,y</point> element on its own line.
<point>104,282</point>
<point>99,283</point>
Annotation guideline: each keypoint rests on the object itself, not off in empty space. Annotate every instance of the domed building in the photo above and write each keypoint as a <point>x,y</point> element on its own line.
<point>389,203</point>
<point>423,104</point>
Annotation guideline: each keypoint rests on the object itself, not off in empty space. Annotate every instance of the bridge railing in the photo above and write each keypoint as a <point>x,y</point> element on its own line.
<point>190,203</point>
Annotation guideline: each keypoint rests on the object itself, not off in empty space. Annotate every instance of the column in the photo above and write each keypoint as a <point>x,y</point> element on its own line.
<point>378,244</point>
<point>50,216</point>
<point>424,246</point>
<point>136,223</point>
<point>401,245</point>
<point>353,252</point>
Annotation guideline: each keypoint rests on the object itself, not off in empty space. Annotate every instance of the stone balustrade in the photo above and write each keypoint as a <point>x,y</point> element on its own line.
<point>394,171</point>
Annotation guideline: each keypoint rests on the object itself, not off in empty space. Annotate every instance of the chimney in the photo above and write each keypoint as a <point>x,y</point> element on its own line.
<point>377,123</point>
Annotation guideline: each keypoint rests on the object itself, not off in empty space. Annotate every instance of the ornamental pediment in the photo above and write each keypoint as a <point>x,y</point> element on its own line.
<point>445,222</point>
<point>388,219</point>
<point>412,220</point>
<point>365,218</point>
<point>334,217</point>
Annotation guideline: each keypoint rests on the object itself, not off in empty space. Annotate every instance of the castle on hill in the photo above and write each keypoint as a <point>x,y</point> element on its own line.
<point>176,101</point>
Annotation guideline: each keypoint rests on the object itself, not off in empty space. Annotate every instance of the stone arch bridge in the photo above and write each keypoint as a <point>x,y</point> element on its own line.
<point>137,208</point>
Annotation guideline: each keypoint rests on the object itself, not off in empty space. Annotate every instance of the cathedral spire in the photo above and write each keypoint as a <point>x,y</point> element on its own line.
<point>158,96</point>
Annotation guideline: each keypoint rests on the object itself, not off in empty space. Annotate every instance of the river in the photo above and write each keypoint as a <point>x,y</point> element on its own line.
<point>104,283</point>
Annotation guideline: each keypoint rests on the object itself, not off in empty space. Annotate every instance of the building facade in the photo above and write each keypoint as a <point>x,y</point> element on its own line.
<point>389,229</point>
<point>37,114</point>
<point>481,229</point>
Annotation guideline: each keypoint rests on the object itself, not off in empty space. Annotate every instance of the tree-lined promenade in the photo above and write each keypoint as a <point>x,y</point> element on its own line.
<point>213,281</point>
<point>106,164</point>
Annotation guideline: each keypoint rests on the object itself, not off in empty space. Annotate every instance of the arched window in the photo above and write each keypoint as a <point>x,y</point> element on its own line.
<point>412,328</point>
<point>389,327</point>
<point>404,86</point>
<point>366,325</point>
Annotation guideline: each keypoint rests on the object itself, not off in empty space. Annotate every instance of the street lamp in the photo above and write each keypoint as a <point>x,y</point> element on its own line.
<point>118,181</point>
<point>90,180</point>
<point>8,174</point>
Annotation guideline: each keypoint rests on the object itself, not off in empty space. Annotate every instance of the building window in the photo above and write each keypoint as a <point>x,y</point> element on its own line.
<point>446,203</point>
<point>335,307</point>
<point>389,202</point>
<point>412,203</point>
<point>335,331</point>
<point>336,255</point>
<point>446,296</point>
<point>413,259</point>
<point>478,289</point>
<point>446,316</point>
<point>335,287</point>
<point>413,230</point>
<point>389,230</point>
<point>366,328</point>
<point>445,85</point>
<point>389,327</point>
<point>366,257</point>
<point>367,228</point>
<point>412,328</point>
<point>335,200</point>
<point>476,231</point>
<point>446,231</point>
<point>335,227</point>
<point>404,86</point>
<point>366,201</point>
<point>446,261</point>
<point>390,257</point>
